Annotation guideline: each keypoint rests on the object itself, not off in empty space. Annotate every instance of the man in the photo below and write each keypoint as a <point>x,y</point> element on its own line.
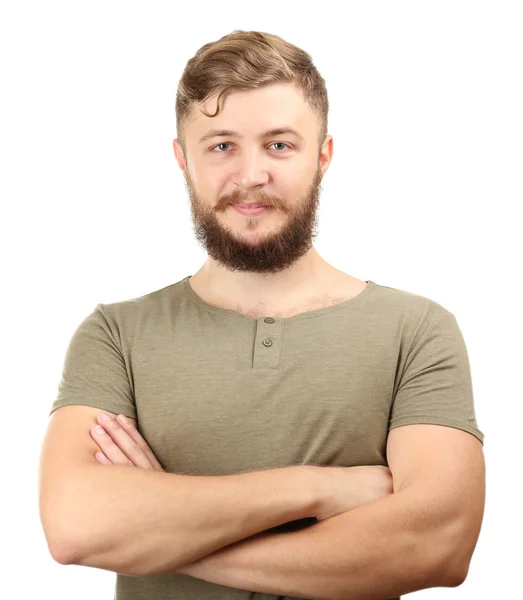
<point>266,362</point>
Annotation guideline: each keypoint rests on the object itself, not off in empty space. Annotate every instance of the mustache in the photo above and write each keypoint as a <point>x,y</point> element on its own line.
<point>261,198</point>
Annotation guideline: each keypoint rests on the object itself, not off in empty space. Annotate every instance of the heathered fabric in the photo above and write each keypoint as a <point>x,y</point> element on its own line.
<point>216,392</point>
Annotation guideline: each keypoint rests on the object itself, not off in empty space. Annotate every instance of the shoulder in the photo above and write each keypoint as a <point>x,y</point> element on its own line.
<point>407,307</point>
<point>152,307</point>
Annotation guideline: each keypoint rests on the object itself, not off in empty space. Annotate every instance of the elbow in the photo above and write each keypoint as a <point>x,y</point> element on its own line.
<point>431,575</point>
<point>58,525</point>
<point>452,567</point>
<point>451,577</point>
<point>456,573</point>
<point>457,581</point>
<point>448,575</point>
<point>450,571</point>
<point>54,519</point>
<point>436,562</point>
<point>60,547</point>
<point>448,550</point>
<point>59,543</point>
<point>62,553</point>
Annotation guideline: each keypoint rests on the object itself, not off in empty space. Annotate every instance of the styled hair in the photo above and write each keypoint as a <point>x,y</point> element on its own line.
<point>246,60</point>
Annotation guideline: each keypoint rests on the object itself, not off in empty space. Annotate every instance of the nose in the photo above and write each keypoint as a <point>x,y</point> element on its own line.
<point>250,171</point>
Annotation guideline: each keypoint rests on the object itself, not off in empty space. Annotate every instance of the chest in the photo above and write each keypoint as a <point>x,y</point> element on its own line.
<point>342,288</point>
<point>214,401</point>
<point>312,303</point>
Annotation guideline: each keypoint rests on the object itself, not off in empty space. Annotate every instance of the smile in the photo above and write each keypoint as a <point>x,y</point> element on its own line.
<point>245,210</point>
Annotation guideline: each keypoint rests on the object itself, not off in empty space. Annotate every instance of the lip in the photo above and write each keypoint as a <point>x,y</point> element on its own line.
<point>246,209</point>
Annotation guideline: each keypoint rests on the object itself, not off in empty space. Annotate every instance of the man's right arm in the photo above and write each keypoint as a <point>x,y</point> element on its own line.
<point>143,522</point>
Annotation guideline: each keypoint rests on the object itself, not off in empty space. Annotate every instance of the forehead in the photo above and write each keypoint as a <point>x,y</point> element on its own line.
<point>251,112</point>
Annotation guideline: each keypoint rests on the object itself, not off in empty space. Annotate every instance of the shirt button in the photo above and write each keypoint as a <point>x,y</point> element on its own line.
<point>267,342</point>
<point>269,320</point>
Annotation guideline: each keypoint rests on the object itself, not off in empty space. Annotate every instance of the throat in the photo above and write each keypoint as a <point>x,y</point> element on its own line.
<point>347,288</point>
<point>341,288</point>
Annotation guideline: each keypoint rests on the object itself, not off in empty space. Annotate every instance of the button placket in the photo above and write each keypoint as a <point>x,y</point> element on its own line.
<point>268,343</point>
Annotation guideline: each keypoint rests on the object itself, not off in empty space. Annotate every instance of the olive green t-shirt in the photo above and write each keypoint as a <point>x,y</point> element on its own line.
<point>216,392</point>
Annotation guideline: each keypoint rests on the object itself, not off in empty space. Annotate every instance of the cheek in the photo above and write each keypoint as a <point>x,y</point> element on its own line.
<point>293,185</point>
<point>207,174</point>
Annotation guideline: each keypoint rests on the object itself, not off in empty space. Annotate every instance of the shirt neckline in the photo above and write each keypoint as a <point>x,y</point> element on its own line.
<point>318,312</point>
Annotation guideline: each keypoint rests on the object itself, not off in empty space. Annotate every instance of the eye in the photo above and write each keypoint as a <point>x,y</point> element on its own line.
<point>281,143</point>
<point>221,144</point>
<point>213,149</point>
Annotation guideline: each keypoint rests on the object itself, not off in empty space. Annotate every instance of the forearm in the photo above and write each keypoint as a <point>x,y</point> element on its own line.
<point>376,551</point>
<point>141,522</point>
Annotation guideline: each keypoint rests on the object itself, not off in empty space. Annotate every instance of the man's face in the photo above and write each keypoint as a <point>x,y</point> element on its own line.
<point>280,171</point>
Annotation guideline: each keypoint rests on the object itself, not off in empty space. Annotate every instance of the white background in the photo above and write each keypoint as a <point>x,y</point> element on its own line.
<point>422,194</point>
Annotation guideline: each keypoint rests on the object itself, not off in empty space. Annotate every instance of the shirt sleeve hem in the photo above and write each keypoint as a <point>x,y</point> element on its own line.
<point>114,407</point>
<point>439,421</point>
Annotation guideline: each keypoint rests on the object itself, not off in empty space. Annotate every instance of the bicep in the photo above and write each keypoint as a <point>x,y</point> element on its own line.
<point>445,467</point>
<point>66,448</point>
<point>435,455</point>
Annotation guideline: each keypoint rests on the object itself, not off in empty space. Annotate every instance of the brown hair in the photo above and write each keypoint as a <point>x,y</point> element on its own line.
<point>245,60</point>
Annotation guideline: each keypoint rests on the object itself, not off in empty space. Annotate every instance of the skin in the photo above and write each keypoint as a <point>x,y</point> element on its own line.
<point>256,261</point>
<point>121,443</point>
<point>266,260</point>
<point>451,481</point>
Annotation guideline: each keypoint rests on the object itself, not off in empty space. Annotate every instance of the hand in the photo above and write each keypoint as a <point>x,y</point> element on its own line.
<point>350,487</point>
<point>122,444</point>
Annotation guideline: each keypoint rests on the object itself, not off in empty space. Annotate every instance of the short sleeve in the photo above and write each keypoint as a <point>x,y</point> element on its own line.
<point>94,371</point>
<point>436,385</point>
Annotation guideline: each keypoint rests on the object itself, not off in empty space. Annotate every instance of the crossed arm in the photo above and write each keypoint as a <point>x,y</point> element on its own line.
<point>421,536</point>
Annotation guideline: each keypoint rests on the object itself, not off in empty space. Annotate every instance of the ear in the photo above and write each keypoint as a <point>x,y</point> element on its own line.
<point>179,155</point>
<point>326,153</point>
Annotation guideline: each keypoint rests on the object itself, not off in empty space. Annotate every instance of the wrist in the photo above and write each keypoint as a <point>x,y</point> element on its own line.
<point>316,490</point>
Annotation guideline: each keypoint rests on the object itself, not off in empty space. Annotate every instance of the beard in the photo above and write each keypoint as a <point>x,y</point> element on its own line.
<point>259,250</point>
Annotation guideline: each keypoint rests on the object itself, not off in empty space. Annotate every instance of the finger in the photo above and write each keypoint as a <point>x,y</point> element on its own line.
<point>108,447</point>
<point>135,435</point>
<point>124,444</point>
<point>101,458</point>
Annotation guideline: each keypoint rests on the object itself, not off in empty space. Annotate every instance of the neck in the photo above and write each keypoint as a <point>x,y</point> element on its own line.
<point>306,277</point>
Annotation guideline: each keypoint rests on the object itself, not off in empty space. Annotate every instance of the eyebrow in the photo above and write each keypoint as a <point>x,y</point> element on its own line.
<point>228,133</point>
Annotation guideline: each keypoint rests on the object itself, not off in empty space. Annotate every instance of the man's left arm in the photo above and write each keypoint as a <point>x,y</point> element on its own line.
<point>421,536</point>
